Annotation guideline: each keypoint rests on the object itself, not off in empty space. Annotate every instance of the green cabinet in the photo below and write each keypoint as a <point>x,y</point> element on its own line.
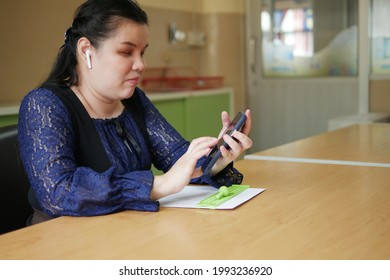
<point>9,114</point>
<point>203,114</point>
<point>174,111</point>
<point>196,113</point>
<point>8,120</point>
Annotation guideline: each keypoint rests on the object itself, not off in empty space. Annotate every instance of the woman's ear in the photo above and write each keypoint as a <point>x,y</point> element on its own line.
<point>84,51</point>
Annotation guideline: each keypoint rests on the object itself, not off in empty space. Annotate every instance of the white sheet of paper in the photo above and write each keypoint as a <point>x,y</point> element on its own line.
<point>190,196</point>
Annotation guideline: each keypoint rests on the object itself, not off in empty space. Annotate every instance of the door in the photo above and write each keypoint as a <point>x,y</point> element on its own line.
<point>290,102</point>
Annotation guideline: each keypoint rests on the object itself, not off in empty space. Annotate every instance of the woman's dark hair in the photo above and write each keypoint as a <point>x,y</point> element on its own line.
<point>95,20</point>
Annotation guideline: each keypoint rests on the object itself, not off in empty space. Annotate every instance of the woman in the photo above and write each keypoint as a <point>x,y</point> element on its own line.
<point>88,135</point>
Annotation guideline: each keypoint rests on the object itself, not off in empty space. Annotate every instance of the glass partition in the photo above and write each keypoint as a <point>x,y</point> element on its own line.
<point>380,37</point>
<point>309,38</point>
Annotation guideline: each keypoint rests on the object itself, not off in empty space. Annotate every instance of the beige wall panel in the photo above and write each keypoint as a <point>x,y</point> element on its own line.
<point>380,96</point>
<point>223,6</point>
<point>160,52</point>
<point>174,5</point>
<point>31,32</point>
<point>202,6</point>
<point>224,52</point>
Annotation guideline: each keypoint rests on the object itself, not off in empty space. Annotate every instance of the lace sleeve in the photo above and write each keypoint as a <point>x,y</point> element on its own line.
<point>226,177</point>
<point>168,146</point>
<point>47,141</point>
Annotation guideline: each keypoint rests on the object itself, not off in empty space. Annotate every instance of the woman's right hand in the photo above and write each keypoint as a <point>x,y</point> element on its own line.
<point>183,170</point>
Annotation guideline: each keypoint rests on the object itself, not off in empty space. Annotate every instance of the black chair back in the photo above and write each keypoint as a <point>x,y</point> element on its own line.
<point>14,186</point>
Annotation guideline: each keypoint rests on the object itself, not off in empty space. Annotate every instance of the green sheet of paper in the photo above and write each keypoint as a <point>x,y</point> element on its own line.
<point>215,200</point>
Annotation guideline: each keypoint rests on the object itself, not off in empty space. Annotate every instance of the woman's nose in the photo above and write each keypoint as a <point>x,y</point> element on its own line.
<point>139,65</point>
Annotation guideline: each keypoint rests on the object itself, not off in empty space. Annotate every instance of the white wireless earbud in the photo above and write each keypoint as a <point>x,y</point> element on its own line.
<point>88,55</point>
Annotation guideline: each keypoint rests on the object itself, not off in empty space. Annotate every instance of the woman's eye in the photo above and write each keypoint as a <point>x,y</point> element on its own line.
<point>130,53</point>
<point>126,53</point>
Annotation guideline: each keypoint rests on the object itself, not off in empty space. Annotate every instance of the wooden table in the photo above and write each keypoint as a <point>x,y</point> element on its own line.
<point>361,144</point>
<point>308,211</point>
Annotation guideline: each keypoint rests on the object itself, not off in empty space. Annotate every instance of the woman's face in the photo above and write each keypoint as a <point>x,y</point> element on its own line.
<point>118,62</point>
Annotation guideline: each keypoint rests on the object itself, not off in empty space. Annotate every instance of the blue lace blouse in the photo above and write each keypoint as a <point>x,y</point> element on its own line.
<point>47,150</point>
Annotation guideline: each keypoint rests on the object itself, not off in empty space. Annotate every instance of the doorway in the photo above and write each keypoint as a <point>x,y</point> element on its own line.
<point>297,80</point>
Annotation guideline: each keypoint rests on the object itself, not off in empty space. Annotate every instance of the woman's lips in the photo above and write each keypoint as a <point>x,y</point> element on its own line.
<point>133,81</point>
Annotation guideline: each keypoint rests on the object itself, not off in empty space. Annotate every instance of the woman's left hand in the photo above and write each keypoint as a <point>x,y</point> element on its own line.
<point>237,146</point>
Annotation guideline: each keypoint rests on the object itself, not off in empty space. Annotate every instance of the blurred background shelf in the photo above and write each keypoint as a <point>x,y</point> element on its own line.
<point>168,79</point>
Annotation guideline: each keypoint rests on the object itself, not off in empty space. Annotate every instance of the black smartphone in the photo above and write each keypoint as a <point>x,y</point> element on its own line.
<point>236,124</point>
